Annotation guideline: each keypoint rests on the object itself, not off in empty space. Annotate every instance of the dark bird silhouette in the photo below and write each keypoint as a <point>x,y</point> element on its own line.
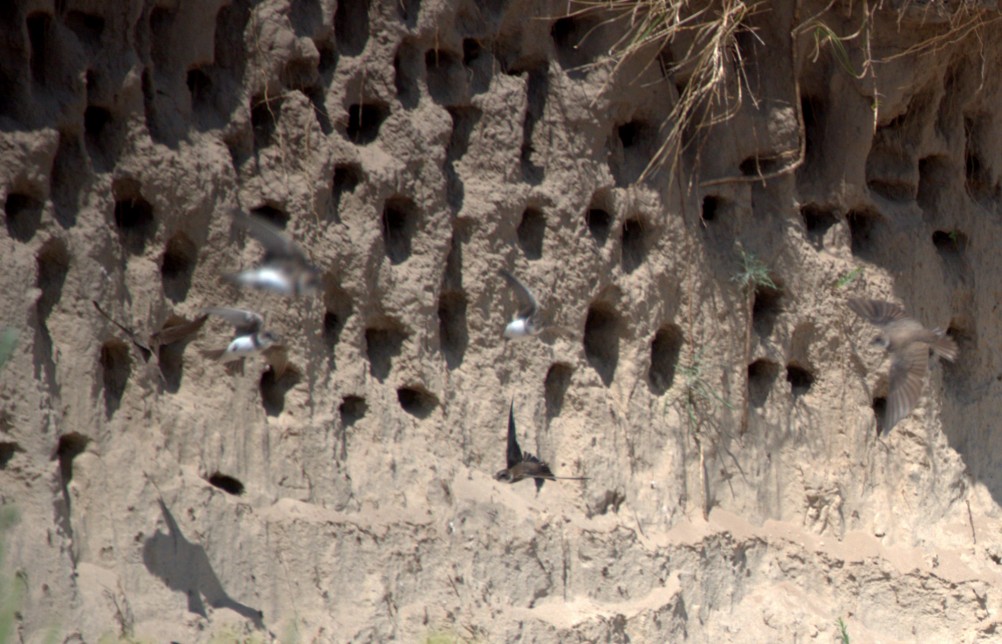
<point>908,343</point>
<point>286,270</point>
<point>523,465</point>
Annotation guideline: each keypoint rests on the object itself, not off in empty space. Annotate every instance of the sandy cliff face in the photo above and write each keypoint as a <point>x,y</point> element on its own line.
<point>737,489</point>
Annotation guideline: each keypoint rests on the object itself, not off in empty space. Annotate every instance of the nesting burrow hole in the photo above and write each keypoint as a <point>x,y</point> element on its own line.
<point>863,231</point>
<point>351,26</point>
<point>274,388</point>
<point>599,217</point>
<point>601,340</point>
<point>382,344</point>
<point>352,409</point>
<point>665,349</point>
<point>23,215</point>
<point>53,265</point>
<point>446,77</point>
<point>133,216</point>
<point>530,232</point>
<point>346,178</point>
<point>8,450</point>
<point>817,222</point>
<point>178,266</point>
<point>226,483</point>
<point>636,242</point>
<point>69,447</point>
<point>761,377</point>
<point>115,370</point>
<point>801,379</point>
<point>416,401</point>
<point>558,380</point>
<point>766,307</point>
<point>265,113</point>
<point>364,121</point>
<point>399,226</point>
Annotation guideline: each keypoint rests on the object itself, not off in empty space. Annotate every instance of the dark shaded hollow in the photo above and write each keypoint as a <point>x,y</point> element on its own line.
<point>452,327</point>
<point>7,452</point>
<point>337,311</point>
<point>879,407</point>
<point>226,483</point>
<point>531,231</point>
<point>570,35</point>
<point>346,178</point>
<point>711,208</point>
<point>408,11</point>
<point>199,87</point>
<point>319,102</point>
<point>765,309</point>
<point>464,120</point>
<point>86,27</point>
<point>351,26</point>
<point>935,178</point>
<point>171,360</point>
<point>665,350</point>
<point>405,74</point>
<point>273,390</point>
<point>53,265</point>
<point>599,225</point>
<point>755,166</point>
<point>38,36</point>
<point>862,231</point>
<point>977,177</point>
<point>265,113</point>
<point>399,226</point>
<point>446,76</point>
<point>949,243</point>
<point>96,120</point>
<point>69,447</point>
<point>555,385</point>
<point>417,401</point>
<point>537,91</point>
<point>134,220</point>
<point>381,346</point>
<point>635,244</point>
<point>23,215</point>
<point>177,266</point>
<point>801,379</point>
<point>275,216</point>
<point>761,377</point>
<point>116,368</point>
<point>814,111</point>
<point>352,409</point>
<point>364,121</point>
<point>817,222</point>
<point>601,340</point>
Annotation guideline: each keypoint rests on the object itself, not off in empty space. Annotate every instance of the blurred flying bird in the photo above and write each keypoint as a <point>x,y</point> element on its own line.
<point>908,343</point>
<point>286,270</point>
<point>526,322</point>
<point>249,338</point>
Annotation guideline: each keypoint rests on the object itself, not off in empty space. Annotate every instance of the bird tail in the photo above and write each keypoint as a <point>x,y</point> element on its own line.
<point>944,346</point>
<point>570,478</point>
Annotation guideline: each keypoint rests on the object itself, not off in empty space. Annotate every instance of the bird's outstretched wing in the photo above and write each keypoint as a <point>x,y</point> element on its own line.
<point>177,332</point>
<point>877,312</point>
<point>527,301</point>
<point>514,455</point>
<point>277,244</point>
<point>908,368</point>
<point>245,321</point>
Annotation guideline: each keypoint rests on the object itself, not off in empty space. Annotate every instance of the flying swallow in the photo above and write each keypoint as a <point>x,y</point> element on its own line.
<point>249,338</point>
<point>170,333</point>
<point>286,270</point>
<point>526,322</point>
<point>908,343</point>
<point>523,465</point>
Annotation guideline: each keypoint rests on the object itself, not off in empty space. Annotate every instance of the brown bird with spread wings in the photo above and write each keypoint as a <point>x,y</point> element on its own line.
<point>523,465</point>
<point>908,343</point>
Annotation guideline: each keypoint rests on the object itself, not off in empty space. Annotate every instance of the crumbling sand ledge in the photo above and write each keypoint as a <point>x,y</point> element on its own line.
<point>413,148</point>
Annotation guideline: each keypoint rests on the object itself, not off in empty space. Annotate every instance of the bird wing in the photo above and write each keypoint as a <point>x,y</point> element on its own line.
<point>877,312</point>
<point>176,332</point>
<point>908,368</point>
<point>514,456</point>
<point>277,243</point>
<point>528,301</point>
<point>144,351</point>
<point>245,322</point>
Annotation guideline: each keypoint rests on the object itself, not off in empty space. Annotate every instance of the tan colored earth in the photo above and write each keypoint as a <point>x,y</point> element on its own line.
<point>737,487</point>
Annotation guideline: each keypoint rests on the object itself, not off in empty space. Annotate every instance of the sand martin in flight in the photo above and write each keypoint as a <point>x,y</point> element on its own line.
<point>523,465</point>
<point>286,269</point>
<point>249,338</point>
<point>526,322</point>
<point>908,343</point>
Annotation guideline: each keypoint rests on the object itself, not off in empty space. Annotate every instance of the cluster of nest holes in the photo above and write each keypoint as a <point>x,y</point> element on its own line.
<point>8,449</point>
<point>598,218</point>
<point>364,121</point>
<point>558,380</point>
<point>530,232</point>
<point>177,266</point>
<point>116,368</point>
<point>275,386</point>
<point>22,215</point>
<point>601,340</point>
<point>382,344</point>
<point>801,379</point>
<point>635,244</point>
<point>762,375</point>
<point>400,223</point>
<point>346,178</point>
<point>226,483</point>
<point>817,222</point>
<point>665,350</point>
<point>766,307</point>
<point>863,225</point>
<point>133,216</point>
<point>417,401</point>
